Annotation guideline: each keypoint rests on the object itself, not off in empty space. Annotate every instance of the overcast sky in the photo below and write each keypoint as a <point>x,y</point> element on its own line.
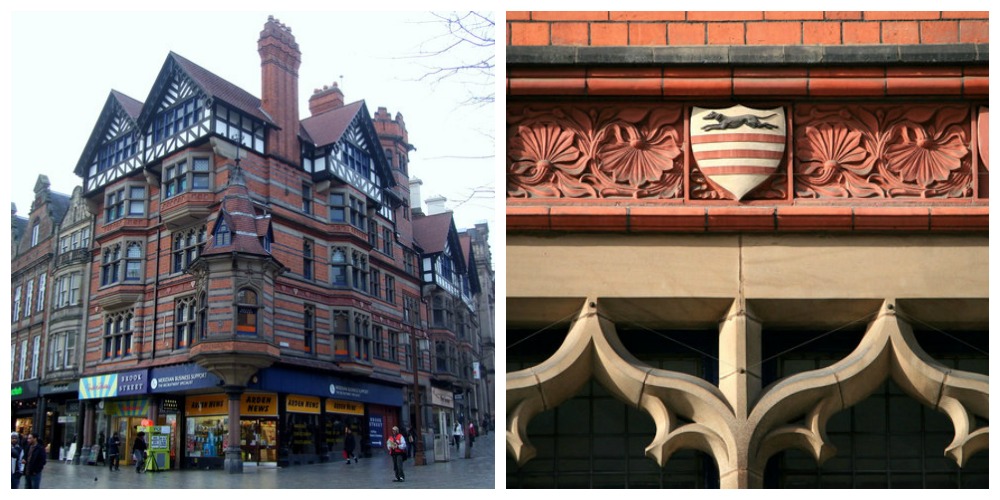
<point>64,64</point>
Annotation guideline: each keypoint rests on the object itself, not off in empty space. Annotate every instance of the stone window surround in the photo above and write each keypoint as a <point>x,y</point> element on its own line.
<point>737,422</point>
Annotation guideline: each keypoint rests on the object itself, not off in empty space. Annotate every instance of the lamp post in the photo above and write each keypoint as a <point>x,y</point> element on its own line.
<point>418,447</point>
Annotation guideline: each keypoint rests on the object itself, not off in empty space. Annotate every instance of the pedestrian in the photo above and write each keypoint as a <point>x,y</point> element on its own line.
<point>34,462</point>
<point>472,434</point>
<point>139,450</point>
<point>396,444</point>
<point>102,446</point>
<point>457,434</point>
<point>16,460</point>
<point>114,451</point>
<point>349,444</point>
<point>411,451</point>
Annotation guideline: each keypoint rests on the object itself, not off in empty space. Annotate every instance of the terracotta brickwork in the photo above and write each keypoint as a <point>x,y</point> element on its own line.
<point>609,28</point>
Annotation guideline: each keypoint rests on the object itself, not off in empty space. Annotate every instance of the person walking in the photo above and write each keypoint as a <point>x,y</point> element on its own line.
<point>139,451</point>
<point>34,462</point>
<point>472,434</point>
<point>396,444</point>
<point>114,447</point>
<point>349,444</point>
<point>456,434</point>
<point>16,460</point>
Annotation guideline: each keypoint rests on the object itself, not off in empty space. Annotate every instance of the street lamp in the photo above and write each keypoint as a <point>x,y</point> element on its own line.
<point>418,447</point>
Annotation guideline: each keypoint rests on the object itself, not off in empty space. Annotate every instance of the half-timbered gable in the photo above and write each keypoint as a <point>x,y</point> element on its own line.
<point>342,143</point>
<point>112,151</point>
<point>189,103</point>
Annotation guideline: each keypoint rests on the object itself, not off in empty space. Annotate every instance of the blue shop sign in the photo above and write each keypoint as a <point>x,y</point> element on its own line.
<point>132,382</point>
<point>309,384</point>
<point>181,378</point>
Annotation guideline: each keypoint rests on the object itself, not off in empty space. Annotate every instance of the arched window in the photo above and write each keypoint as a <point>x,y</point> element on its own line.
<point>246,312</point>
<point>184,322</point>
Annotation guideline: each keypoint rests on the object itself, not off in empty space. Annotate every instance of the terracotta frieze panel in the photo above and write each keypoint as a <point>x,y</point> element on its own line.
<point>882,151</point>
<point>586,151</point>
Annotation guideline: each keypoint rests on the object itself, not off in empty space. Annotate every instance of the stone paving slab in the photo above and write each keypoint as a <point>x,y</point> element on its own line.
<point>479,471</point>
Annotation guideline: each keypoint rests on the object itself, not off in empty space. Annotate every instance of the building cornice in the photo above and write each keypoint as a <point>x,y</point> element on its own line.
<point>917,54</point>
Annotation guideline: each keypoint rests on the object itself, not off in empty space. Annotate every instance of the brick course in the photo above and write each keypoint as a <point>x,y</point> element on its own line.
<point>608,28</point>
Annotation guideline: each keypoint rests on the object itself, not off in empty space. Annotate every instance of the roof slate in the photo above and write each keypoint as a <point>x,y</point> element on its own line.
<point>430,232</point>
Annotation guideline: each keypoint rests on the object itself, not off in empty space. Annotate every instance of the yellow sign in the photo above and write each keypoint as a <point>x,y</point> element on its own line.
<point>251,405</point>
<point>259,405</point>
<point>348,407</point>
<point>302,404</point>
<point>208,404</point>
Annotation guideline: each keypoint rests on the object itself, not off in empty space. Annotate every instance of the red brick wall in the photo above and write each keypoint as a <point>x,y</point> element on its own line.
<point>606,28</point>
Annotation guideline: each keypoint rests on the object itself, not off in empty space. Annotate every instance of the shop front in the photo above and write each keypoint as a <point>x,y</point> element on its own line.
<point>62,418</point>
<point>313,418</point>
<point>443,403</point>
<point>207,430</point>
<point>122,406</point>
<point>23,405</point>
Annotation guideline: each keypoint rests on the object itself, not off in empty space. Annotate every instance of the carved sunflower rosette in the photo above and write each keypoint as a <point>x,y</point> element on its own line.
<point>882,151</point>
<point>576,152</point>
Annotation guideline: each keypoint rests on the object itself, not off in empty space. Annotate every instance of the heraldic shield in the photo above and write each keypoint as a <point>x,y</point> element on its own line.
<point>738,148</point>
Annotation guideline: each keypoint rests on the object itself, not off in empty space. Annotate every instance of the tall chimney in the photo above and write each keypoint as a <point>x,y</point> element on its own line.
<point>415,201</point>
<point>325,99</point>
<point>435,205</point>
<point>279,64</point>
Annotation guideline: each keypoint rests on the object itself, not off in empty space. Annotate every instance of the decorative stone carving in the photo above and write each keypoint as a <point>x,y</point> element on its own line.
<point>882,151</point>
<point>598,152</point>
<point>690,413</point>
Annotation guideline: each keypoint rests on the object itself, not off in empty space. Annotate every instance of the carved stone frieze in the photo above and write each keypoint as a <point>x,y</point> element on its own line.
<point>840,151</point>
<point>575,151</point>
<point>882,151</point>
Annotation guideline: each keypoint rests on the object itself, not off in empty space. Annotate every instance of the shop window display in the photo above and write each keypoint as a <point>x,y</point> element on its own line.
<point>206,437</point>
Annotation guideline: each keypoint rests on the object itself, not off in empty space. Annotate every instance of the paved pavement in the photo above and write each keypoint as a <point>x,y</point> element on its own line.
<point>369,473</point>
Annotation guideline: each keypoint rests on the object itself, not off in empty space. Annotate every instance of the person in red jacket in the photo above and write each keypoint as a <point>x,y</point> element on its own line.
<point>396,444</point>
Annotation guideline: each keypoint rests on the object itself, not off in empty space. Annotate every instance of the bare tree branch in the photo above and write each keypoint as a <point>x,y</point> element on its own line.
<point>467,41</point>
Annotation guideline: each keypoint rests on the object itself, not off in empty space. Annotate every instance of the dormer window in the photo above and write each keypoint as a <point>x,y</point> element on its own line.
<point>34,233</point>
<point>223,237</point>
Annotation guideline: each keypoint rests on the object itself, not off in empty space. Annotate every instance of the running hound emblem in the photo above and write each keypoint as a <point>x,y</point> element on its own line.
<point>738,148</point>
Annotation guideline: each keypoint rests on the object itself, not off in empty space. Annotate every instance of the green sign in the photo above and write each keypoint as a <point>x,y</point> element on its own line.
<point>16,391</point>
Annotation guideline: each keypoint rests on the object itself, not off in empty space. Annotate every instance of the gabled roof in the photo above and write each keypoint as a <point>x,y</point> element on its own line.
<point>244,222</point>
<point>465,240</point>
<point>58,206</point>
<point>327,128</point>
<point>212,85</point>
<point>430,232</point>
<point>116,100</point>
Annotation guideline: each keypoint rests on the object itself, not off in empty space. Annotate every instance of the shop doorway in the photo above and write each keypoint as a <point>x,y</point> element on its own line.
<point>259,441</point>
<point>126,428</point>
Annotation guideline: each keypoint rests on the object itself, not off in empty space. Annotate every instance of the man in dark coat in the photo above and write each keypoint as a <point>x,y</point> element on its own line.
<point>34,462</point>
<point>349,445</point>
<point>114,451</point>
<point>139,451</point>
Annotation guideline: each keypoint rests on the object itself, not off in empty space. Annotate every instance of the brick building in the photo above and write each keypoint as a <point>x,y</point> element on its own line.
<point>250,277</point>
<point>34,246</point>
<point>747,249</point>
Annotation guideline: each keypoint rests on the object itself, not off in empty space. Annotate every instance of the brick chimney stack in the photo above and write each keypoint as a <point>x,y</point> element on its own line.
<point>279,63</point>
<point>325,99</point>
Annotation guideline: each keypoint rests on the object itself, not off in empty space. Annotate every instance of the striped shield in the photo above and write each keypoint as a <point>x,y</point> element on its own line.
<point>738,148</point>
